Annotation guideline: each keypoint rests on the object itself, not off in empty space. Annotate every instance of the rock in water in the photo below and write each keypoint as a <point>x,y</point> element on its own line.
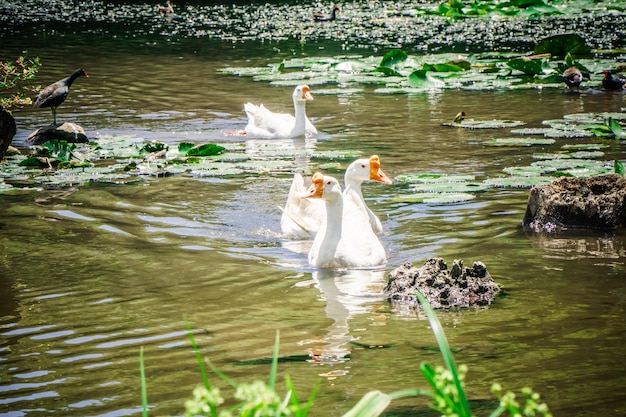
<point>7,130</point>
<point>443,288</point>
<point>596,203</point>
<point>68,131</point>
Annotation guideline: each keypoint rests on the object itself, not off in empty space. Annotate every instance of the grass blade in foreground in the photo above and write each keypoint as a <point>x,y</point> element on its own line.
<point>446,353</point>
<point>144,386</point>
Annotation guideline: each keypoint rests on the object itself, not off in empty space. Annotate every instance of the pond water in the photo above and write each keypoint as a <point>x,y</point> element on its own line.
<point>90,274</point>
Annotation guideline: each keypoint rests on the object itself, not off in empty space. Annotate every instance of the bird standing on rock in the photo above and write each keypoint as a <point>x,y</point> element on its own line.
<point>53,95</point>
<point>613,82</point>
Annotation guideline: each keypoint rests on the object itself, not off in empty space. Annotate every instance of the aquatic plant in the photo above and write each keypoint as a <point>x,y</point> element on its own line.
<point>261,399</point>
<point>457,9</point>
<point>16,79</point>
<point>398,72</point>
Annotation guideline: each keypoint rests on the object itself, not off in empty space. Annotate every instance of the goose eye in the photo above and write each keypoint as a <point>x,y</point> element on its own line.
<point>362,165</point>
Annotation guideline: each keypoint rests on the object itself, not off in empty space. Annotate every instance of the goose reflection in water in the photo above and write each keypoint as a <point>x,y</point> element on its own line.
<point>347,293</point>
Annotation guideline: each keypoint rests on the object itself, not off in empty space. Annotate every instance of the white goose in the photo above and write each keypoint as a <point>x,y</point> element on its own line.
<point>302,217</point>
<point>263,123</point>
<point>363,170</point>
<point>345,239</point>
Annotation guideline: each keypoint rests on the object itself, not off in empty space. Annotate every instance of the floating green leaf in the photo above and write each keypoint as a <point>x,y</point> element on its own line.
<point>618,166</point>
<point>530,66</point>
<point>518,142</point>
<point>207,149</point>
<point>393,58</point>
<point>432,198</point>
<point>448,187</point>
<point>561,45</point>
<point>518,181</point>
<point>433,178</point>
<point>421,79</point>
<point>617,129</point>
<point>485,124</point>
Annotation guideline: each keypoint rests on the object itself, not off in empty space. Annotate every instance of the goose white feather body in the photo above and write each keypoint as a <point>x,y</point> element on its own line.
<point>264,123</point>
<point>303,217</point>
<point>345,240</point>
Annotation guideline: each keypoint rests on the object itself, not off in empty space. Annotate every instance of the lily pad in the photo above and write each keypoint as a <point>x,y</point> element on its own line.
<point>518,142</point>
<point>530,66</point>
<point>551,155</point>
<point>429,178</point>
<point>588,154</point>
<point>433,198</point>
<point>485,124</point>
<point>518,181</point>
<point>561,45</point>
<point>529,131</point>
<point>585,146</point>
<point>448,187</point>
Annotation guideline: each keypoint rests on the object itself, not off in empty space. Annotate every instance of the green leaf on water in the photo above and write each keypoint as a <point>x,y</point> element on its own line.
<point>433,178</point>
<point>518,142</point>
<point>561,45</point>
<point>421,79</point>
<point>518,181</point>
<point>448,187</point>
<point>530,66</point>
<point>618,166</point>
<point>207,149</point>
<point>485,124</point>
<point>393,58</point>
<point>432,198</point>
<point>617,129</point>
<point>447,67</point>
<point>585,146</point>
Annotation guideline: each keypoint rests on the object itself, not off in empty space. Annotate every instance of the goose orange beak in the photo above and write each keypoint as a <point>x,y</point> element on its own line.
<point>306,93</point>
<point>377,174</point>
<point>316,190</point>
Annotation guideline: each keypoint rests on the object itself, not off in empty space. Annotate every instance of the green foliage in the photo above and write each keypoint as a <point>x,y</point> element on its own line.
<point>616,129</point>
<point>389,65</point>
<point>456,9</point>
<point>530,66</point>
<point>254,399</point>
<point>152,147</point>
<point>562,45</point>
<point>258,399</point>
<point>509,404</point>
<point>144,387</point>
<point>16,80</point>
<point>207,149</point>
<point>618,166</point>
<point>449,395</point>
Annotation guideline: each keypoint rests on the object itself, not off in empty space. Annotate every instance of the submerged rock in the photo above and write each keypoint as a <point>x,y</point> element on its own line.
<point>68,131</point>
<point>443,288</point>
<point>595,203</point>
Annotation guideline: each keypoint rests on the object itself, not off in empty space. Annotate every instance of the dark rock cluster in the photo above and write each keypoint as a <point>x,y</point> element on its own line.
<point>595,203</point>
<point>443,288</point>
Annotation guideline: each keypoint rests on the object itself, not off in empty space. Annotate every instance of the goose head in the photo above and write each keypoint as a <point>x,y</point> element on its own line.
<point>366,169</point>
<point>324,187</point>
<point>301,94</point>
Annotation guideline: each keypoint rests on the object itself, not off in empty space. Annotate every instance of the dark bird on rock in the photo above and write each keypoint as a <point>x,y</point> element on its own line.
<point>323,17</point>
<point>572,77</point>
<point>53,95</point>
<point>612,81</point>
